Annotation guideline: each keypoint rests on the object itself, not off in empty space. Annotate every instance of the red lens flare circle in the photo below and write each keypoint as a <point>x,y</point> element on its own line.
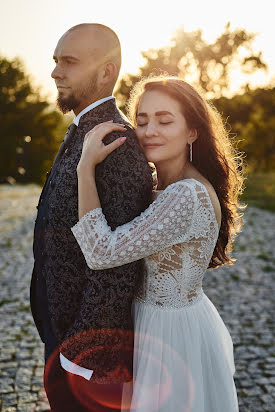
<point>107,392</point>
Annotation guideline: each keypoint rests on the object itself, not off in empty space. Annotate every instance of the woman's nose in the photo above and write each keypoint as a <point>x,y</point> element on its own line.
<point>151,129</point>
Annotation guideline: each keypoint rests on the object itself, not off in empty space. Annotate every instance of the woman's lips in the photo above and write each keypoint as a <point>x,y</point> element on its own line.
<point>152,146</point>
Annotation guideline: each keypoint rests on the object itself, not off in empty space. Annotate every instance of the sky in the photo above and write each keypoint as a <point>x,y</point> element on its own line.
<point>30,29</point>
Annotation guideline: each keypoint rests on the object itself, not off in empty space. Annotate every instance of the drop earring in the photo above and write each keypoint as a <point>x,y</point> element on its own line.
<point>191,155</point>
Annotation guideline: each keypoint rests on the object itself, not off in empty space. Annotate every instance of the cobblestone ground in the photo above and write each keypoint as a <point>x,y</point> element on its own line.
<point>243,295</point>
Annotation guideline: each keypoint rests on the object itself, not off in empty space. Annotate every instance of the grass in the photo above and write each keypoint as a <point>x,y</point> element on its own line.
<point>268,269</point>
<point>5,301</point>
<point>260,191</point>
<point>263,256</point>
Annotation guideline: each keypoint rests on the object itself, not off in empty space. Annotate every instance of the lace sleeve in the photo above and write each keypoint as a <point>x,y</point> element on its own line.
<point>164,223</point>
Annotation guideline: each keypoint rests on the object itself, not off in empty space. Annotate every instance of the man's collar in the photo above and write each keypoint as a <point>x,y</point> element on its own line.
<point>90,107</point>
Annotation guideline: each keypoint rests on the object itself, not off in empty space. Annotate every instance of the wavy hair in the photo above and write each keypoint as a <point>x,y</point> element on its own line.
<point>214,154</point>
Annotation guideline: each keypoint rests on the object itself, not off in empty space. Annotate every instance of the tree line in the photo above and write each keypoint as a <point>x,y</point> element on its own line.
<point>32,130</point>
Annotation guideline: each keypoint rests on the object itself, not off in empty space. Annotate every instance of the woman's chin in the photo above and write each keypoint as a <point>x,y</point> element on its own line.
<point>151,158</point>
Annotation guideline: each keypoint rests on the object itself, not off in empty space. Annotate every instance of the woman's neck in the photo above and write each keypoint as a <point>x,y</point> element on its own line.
<point>168,173</point>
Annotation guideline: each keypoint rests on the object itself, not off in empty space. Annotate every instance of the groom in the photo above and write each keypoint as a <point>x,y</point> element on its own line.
<point>84,316</point>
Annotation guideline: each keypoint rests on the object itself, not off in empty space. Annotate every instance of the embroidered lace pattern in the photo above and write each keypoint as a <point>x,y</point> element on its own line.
<point>176,235</point>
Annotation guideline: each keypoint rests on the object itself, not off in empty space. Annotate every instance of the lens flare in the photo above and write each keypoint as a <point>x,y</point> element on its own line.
<point>105,389</point>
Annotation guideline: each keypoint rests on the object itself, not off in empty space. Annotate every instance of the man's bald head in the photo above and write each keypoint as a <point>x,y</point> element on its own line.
<point>88,60</point>
<point>104,43</point>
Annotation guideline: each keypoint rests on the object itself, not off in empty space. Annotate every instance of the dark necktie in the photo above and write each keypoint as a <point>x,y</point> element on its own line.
<point>70,133</point>
<point>67,139</point>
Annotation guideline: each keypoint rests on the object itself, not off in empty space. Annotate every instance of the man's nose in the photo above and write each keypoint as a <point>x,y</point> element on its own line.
<point>56,73</point>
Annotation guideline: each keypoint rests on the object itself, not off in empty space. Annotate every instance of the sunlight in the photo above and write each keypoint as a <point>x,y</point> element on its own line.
<point>140,26</point>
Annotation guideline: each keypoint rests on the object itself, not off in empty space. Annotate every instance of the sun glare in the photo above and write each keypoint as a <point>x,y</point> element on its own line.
<point>140,26</point>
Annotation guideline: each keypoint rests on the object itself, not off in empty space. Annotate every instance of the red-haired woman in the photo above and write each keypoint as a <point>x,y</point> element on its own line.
<point>183,359</point>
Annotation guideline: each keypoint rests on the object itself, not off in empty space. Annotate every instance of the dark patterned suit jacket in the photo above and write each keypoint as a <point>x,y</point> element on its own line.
<point>89,312</point>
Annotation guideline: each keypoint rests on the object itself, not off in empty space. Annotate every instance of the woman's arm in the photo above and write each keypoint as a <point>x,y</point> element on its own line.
<point>164,223</point>
<point>93,152</point>
<point>87,192</point>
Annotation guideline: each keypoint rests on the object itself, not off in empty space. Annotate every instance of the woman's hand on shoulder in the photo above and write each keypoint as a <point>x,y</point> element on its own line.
<point>94,151</point>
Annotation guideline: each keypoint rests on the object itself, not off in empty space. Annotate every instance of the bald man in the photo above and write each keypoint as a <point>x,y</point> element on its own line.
<point>84,316</point>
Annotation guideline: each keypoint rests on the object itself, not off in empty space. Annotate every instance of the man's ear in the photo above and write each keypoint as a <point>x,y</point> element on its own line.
<point>108,73</point>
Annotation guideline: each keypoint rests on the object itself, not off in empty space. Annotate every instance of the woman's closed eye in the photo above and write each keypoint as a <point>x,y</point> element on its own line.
<point>145,124</point>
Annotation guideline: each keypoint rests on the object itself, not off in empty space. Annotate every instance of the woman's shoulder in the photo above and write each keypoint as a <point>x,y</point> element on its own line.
<point>190,183</point>
<point>179,187</point>
<point>212,195</point>
<point>198,184</point>
<point>183,192</point>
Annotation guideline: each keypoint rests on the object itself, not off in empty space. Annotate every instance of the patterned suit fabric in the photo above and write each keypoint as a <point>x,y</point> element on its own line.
<point>89,312</point>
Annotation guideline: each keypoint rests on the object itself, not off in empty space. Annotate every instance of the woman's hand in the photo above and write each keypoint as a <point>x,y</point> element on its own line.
<point>94,150</point>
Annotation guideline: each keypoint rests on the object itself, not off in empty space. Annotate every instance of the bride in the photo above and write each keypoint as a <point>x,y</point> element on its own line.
<point>183,357</point>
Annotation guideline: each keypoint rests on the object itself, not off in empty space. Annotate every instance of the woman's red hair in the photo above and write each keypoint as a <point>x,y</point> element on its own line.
<point>214,155</point>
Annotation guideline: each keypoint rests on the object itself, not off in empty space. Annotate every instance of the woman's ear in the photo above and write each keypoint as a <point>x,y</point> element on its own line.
<point>193,135</point>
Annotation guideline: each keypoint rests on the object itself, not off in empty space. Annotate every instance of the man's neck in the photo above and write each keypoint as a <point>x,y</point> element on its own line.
<point>89,107</point>
<point>83,105</point>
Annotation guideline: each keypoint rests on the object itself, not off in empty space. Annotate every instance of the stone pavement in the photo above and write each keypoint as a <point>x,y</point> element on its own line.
<point>243,294</point>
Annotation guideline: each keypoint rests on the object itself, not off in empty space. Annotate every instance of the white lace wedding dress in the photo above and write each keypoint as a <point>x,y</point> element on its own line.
<point>183,358</point>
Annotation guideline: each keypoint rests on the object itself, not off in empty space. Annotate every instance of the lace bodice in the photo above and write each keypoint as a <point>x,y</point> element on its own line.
<point>176,235</point>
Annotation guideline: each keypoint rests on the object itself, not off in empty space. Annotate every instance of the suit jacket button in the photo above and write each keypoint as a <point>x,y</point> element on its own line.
<point>45,219</point>
<point>67,152</point>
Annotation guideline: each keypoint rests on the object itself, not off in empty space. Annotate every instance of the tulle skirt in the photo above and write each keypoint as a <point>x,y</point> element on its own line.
<point>183,360</point>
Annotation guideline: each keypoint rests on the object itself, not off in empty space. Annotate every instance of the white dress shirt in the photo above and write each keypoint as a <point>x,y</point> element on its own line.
<point>90,107</point>
<point>66,363</point>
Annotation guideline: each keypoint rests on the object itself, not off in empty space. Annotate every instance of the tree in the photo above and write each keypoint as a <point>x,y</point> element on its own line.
<point>252,121</point>
<point>189,56</point>
<point>30,128</point>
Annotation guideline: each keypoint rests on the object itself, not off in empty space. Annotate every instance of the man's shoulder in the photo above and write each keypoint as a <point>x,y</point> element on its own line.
<point>102,113</point>
<point>121,117</point>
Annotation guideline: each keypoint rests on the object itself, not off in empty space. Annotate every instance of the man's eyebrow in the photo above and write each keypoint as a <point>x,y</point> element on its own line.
<point>66,58</point>
<point>163,112</point>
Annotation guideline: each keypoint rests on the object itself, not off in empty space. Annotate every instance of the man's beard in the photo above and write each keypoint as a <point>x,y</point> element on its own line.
<point>71,102</point>
<point>66,104</point>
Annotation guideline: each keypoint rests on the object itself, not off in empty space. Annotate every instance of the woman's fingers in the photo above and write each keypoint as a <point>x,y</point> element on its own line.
<point>102,129</point>
<point>94,150</point>
<point>109,127</point>
<point>114,145</point>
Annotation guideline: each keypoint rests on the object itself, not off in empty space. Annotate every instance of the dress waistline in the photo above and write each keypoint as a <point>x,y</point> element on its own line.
<point>169,307</point>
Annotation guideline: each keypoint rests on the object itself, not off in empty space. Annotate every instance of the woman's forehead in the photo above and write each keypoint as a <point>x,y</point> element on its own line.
<point>153,101</point>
